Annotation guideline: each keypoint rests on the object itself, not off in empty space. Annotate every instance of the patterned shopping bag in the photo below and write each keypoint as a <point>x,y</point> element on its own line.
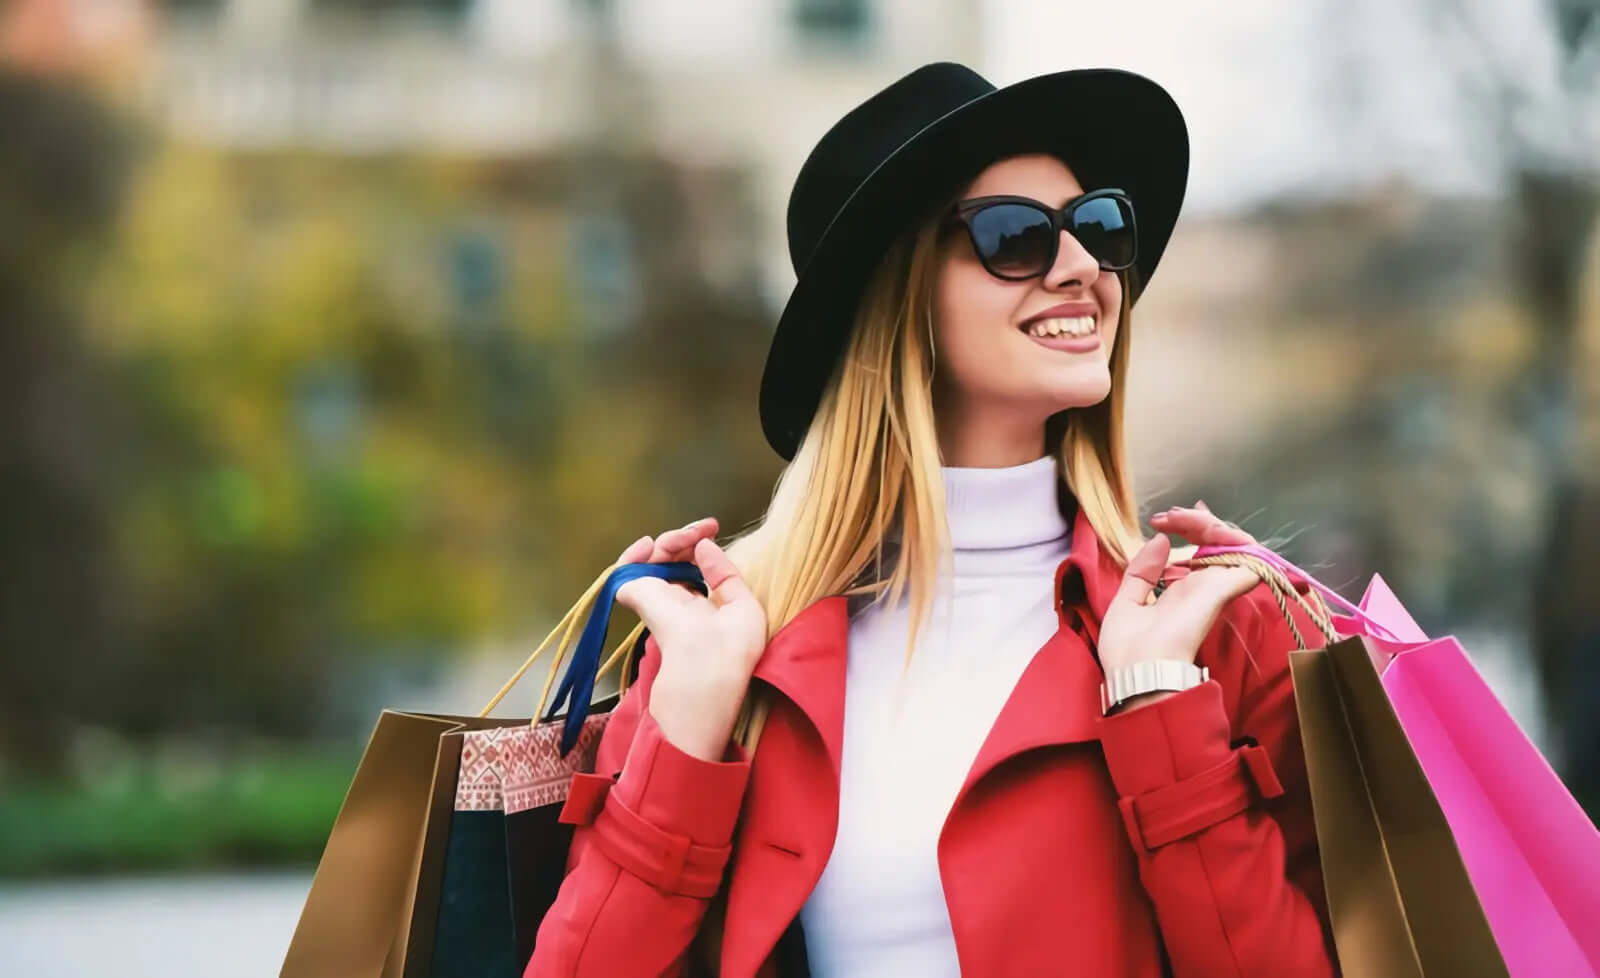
<point>446,852</point>
<point>507,852</point>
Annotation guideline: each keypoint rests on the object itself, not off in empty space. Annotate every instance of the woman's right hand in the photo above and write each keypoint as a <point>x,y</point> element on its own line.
<point>709,644</point>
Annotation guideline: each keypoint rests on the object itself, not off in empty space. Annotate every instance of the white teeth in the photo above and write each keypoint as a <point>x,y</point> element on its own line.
<point>1075,326</point>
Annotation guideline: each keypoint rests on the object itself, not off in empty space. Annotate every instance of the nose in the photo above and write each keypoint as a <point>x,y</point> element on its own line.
<point>1074,267</point>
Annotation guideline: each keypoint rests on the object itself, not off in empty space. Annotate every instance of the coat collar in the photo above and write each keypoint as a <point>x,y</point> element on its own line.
<point>1055,701</point>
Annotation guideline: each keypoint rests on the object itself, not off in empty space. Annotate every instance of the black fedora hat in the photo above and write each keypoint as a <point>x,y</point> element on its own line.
<point>881,167</point>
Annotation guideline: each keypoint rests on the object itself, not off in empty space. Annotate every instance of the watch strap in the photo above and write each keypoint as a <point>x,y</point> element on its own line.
<point>1123,683</point>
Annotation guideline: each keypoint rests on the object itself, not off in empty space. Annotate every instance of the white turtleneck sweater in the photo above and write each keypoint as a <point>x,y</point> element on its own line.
<point>909,742</point>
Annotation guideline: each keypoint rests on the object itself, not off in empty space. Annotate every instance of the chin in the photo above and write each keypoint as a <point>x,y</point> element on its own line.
<point>1083,394</point>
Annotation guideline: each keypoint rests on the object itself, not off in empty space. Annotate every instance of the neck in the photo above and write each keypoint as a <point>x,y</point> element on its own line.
<point>1002,507</point>
<point>974,439</point>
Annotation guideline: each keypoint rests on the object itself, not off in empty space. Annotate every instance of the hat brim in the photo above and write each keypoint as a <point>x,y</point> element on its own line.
<point>1142,147</point>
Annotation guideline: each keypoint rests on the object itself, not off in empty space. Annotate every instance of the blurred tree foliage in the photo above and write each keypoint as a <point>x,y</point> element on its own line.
<point>61,173</point>
<point>281,413</point>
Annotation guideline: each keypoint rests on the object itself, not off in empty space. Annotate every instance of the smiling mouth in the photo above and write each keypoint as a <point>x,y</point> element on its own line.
<point>1071,327</point>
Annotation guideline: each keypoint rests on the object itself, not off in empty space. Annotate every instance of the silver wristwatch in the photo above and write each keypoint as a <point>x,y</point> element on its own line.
<point>1149,676</point>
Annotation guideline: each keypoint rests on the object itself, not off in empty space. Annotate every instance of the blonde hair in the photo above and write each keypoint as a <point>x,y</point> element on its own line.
<point>869,463</point>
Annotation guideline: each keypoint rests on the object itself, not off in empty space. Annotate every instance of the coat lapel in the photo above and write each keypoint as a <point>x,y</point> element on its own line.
<point>791,807</point>
<point>1086,581</point>
<point>1057,699</point>
<point>805,661</point>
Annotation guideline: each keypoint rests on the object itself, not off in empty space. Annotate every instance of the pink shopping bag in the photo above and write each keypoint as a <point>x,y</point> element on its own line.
<point>1532,854</point>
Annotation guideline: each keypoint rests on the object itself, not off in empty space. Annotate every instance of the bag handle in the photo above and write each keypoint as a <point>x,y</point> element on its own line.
<point>577,687</point>
<point>1372,627</point>
<point>1277,580</point>
<point>578,684</point>
<point>568,621</point>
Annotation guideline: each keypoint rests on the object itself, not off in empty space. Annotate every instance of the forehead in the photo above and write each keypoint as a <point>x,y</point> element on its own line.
<point>1038,175</point>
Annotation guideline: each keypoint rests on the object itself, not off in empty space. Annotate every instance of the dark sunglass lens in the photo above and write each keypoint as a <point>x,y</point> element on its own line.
<point>1104,226</point>
<point>1013,240</point>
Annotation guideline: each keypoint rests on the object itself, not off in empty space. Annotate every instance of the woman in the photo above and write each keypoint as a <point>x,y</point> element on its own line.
<point>949,578</point>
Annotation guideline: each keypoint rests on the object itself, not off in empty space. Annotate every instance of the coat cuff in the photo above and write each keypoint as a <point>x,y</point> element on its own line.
<point>1176,771</point>
<point>679,793</point>
<point>1169,740</point>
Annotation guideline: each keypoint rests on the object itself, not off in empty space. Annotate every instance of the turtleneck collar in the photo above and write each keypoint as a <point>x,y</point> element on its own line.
<point>1003,508</point>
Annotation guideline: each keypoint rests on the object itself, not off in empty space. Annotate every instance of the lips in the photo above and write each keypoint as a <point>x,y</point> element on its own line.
<point>1076,326</point>
<point>1068,344</point>
<point>1064,310</point>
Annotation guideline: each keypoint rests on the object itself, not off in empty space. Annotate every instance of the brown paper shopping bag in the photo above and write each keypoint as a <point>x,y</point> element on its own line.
<point>371,907</point>
<point>1399,897</point>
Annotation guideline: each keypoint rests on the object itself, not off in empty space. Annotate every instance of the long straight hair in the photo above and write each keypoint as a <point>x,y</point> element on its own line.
<point>865,481</point>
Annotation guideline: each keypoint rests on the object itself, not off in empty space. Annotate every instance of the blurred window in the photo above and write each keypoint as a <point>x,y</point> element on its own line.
<point>328,406</point>
<point>833,20</point>
<point>477,275</point>
<point>604,272</point>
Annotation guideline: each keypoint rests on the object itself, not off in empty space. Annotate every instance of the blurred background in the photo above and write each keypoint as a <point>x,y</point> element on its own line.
<point>343,342</point>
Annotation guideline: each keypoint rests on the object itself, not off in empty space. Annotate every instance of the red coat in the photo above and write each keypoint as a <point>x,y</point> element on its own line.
<point>1176,838</point>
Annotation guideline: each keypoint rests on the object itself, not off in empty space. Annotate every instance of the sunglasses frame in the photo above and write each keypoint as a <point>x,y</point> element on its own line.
<point>964,210</point>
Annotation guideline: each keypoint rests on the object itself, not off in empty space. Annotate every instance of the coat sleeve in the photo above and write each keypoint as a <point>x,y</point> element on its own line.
<point>1213,791</point>
<point>654,827</point>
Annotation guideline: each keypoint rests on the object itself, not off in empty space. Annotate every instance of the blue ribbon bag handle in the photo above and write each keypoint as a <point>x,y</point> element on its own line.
<point>577,685</point>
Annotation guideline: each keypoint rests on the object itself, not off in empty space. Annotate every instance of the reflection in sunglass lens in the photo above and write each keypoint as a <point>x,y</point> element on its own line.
<point>1105,229</point>
<point>1013,239</point>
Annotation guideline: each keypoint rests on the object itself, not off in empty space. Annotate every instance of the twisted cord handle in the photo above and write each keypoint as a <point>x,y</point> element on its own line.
<point>1283,590</point>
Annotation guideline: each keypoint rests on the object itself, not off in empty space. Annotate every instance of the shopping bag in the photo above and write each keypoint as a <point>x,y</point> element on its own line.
<point>373,910</point>
<point>1533,854</point>
<point>369,911</point>
<point>1399,897</point>
<point>506,852</point>
<point>1530,850</point>
<point>507,849</point>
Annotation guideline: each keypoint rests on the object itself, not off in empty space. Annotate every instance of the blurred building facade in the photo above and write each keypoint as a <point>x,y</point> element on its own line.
<point>745,85</point>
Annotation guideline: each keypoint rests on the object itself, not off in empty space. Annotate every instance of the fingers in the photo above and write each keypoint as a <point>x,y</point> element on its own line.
<point>1199,525</point>
<point>647,597</point>
<point>680,543</point>
<point>1219,584</point>
<point>651,597</point>
<point>637,552</point>
<point>672,545</point>
<point>720,573</point>
<point>1144,569</point>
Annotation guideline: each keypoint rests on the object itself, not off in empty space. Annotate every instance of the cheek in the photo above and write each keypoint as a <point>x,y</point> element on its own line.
<point>969,305</point>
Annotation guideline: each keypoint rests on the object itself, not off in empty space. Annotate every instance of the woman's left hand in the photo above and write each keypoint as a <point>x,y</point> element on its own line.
<point>1173,625</point>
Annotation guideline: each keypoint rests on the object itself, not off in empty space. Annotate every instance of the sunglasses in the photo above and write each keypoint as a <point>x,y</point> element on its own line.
<point>1017,237</point>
